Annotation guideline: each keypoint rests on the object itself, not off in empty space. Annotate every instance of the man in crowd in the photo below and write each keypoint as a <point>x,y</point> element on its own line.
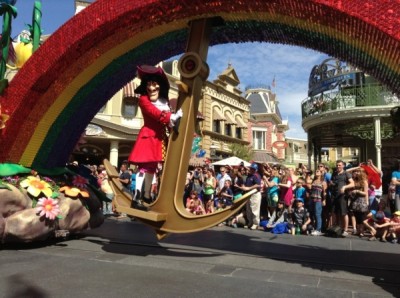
<point>224,176</point>
<point>125,177</point>
<point>340,182</point>
<point>253,181</point>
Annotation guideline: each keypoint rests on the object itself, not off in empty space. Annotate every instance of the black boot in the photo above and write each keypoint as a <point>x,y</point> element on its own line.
<point>136,204</point>
<point>147,200</point>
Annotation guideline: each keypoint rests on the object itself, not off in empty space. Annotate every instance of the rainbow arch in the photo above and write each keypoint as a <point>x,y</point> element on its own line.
<point>72,75</point>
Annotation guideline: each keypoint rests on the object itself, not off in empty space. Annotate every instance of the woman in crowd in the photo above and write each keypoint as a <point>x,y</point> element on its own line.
<point>238,182</point>
<point>359,199</point>
<point>272,182</point>
<point>317,197</point>
<point>286,188</point>
<point>210,184</point>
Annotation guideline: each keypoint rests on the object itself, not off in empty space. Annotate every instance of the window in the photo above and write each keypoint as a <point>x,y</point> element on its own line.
<point>339,152</point>
<point>217,118</point>
<point>295,148</point>
<point>129,107</point>
<point>217,126</point>
<point>259,140</point>
<point>238,133</point>
<point>228,130</point>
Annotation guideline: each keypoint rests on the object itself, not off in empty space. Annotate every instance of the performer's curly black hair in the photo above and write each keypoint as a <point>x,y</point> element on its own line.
<point>149,73</point>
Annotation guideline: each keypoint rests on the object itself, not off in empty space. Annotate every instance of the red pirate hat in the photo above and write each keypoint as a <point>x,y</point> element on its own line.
<point>148,73</point>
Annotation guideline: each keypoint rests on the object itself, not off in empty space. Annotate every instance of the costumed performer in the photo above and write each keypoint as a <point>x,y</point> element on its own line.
<point>151,144</point>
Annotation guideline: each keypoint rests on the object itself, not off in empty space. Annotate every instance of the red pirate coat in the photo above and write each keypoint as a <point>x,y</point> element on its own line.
<point>148,146</point>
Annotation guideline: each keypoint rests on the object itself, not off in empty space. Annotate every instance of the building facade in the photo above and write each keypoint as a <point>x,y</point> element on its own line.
<point>267,127</point>
<point>226,114</point>
<point>349,111</point>
<point>297,152</point>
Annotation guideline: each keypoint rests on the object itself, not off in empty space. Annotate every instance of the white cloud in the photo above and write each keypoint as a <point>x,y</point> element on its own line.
<point>259,63</point>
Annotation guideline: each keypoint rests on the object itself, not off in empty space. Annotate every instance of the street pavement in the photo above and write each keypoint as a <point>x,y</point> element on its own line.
<point>123,258</point>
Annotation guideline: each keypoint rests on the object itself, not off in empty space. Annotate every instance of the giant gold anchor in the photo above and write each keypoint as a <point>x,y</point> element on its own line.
<point>168,214</point>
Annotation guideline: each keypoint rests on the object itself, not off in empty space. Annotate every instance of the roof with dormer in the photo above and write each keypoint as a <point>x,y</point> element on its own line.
<point>229,76</point>
<point>229,80</point>
<point>262,101</point>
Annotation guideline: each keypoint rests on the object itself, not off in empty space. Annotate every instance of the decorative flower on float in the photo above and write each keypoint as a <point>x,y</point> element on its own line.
<point>78,188</point>
<point>74,192</point>
<point>79,182</point>
<point>49,208</point>
<point>35,186</point>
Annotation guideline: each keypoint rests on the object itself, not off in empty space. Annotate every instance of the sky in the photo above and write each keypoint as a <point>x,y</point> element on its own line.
<point>254,63</point>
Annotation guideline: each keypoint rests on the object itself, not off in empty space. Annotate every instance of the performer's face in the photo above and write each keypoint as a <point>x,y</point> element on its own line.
<point>153,90</point>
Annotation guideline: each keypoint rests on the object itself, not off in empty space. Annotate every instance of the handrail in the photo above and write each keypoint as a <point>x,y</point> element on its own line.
<point>348,98</point>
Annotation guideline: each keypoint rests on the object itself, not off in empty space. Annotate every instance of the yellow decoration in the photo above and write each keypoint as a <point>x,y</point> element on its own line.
<point>74,192</point>
<point>36,186</point>
<point>23,52</point>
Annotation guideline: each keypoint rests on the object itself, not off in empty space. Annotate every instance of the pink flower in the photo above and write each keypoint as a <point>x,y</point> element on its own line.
<point>80,181</point>
<point>48,207</point>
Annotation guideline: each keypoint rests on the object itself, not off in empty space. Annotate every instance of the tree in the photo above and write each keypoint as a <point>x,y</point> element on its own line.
<point>242,151</point>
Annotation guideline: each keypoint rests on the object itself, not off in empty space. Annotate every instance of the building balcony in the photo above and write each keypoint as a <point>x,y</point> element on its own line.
<point>372,100</point>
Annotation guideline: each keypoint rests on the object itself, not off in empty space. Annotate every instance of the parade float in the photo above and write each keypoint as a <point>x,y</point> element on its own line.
<point>38,205</point>
<point>58,91</point>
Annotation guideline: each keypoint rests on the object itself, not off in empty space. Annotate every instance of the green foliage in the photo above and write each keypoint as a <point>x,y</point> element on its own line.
<point>242,151</point>
<point>332,165</point>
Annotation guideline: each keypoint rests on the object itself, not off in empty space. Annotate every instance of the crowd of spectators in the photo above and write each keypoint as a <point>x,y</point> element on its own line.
<point>327,201</point>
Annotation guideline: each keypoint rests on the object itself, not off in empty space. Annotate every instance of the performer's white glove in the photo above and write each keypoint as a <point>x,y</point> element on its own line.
<point>177,115</point>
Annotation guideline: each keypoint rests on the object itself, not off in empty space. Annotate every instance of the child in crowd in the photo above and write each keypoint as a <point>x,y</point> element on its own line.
<point>194,205</point>
<point>220,205</point>
<point>300,190</point>
<point>210,207</point>
<point>280,216</point>
<point>299,218</point>
<point>226,193</point>
<point>376,224</point>
<point>394,228</point>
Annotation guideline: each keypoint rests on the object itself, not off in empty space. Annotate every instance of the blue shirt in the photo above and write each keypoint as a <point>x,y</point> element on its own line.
<point>300,192</point>
<point>253,180</point>
<point>327,177</point>
<point>274,189</point>
<point>133,181</point>
<point>396,174</point>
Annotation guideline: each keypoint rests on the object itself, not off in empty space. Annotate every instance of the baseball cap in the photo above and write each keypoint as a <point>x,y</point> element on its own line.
<point>300,200</point>
<point>397,213</point>
<point>254,166</point>
<point>379,215</point>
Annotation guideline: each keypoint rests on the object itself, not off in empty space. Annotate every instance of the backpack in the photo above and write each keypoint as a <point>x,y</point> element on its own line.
<point>334,231</point>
